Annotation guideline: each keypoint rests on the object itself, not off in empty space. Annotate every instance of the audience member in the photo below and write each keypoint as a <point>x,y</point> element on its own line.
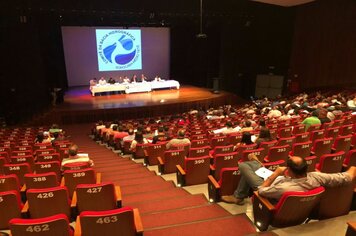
<point>180,140</point>
<point>263,136</point>
<point>312,120</point>
<point>139,139</point>
<point>161,136</point>
<point>74,157</point>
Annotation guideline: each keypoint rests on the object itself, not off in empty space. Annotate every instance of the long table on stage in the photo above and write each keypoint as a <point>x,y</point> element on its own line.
<point>134,87</point>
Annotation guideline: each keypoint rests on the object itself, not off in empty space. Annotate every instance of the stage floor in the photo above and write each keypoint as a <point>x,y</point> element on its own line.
<point>80,106</point>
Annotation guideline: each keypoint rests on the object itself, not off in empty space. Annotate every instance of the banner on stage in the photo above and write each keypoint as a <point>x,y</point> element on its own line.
<point>119,49</point>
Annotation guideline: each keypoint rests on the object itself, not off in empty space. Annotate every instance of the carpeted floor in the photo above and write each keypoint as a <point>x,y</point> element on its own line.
<point>164,208</point>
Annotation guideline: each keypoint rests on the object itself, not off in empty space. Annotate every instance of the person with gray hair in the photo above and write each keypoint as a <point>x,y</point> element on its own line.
<point>180,140</point>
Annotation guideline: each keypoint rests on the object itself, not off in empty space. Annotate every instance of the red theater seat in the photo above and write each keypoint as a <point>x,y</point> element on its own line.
<point>331,163</point>
<point>196,171</point>
<point>170,160</point>
<point>71,178</point>
<point>10,207</point>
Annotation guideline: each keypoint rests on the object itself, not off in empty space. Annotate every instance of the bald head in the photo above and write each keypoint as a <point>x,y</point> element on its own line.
<point>298,166</point>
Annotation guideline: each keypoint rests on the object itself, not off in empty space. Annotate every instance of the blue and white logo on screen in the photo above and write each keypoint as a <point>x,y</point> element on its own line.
<point>119,49</point>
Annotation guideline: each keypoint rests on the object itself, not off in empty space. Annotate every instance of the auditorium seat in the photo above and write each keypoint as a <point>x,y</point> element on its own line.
<point>331,163</point>
<point>221,150</point>
<point>218,141</point>
<point>44,151</point>
<point>311,162</point>
<point>259,153</point>
<point>76,166</point>
<point>71,178</point>
<point>10,207</point>
<point>332,132</point>
<point>267,145</point>
<point>184,147</point>
<point>152,152</point>
<point>284,132</point>
<point>199,143</point>
<point>170,160</point>
<point>19,170</point>
<point>47,202</point>
<point>316,134</point>
<point>224,160</point>
<point>5,155</point>
<point>321,147</point>
<point>22,148</point>
<point>48,157</point>
<point>350,159</point>
<point>293,208</point>
<point>286,141</point>
<point>199,152</point>
<point>335,201</point>
<point>29,159</point>
<point>124,222</point>
<point>302,137</point>
<point>241,148</point>
<point>314,127</point>
<point>272,166</point>
<point>301,149</point>
<point>57,225</point>
<point>96,197</point>
<point>298,129</point>
<point>3,161</point>
<point>342,143</point>
<point>139,152</point>
<point>195,171</point>
<point>126,147</point>
<point>38,146</point>
<point>22,153</point>
<point>234,138</point>
<point>51,166</point>
<point>229,179</point>
<point>346,129</point>
<point>38,181</point>
<point>9,183</point>
<point>277,153</point>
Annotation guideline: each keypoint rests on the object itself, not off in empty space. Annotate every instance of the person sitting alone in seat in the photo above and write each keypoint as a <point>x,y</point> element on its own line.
<point>180,140</point>
<point>74,157</point>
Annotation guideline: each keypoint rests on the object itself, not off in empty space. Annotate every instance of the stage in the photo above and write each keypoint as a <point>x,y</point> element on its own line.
<point>80,106</point>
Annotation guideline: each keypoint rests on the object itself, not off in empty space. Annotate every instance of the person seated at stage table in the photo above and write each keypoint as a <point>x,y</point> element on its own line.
<point>134,79</point>
<point>180,140</point>
<point>93,82</point>
<point>74,157</point>
<point>111,81</point>
<point>143,78</point>
<point>102,81</point>
<point>157,78</point>
<point>120,80</point>
<point>126,79</point>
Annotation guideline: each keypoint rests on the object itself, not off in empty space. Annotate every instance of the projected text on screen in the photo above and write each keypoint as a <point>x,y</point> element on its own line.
<point>119,49</point>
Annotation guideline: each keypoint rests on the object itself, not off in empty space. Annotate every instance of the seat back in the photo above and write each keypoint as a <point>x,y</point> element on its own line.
<point>314,127</point>
<point>96,197</point>
<point>350,159</point>
<point>199,143</point>
<point>218,141</point>
<point>44,151</point>
<point>3,161</point>
<point>241,148</point>
<point>301,149</point>
<point>302,137</point>
<point>331,163</point>
<point>298,129</point>
<point>267,145</point>
<point>38,181</point>
<point>322,146</point>
<point>311,162</point>
<point>10,207</point>
<point>9,183</point>
<point>342,143</point>
<point>234,138</point>
<point>76,166</point>
<point>225,160</point>
<point>53,225</point>
<point>332,132</point>
<point>140,150</point>
<point>285,132</point>
<point>48,201</point>
<point>223,149</point>
<point>199,152</point>
<point>346,129</point>
<point>23,159</point>
<point>173,158</point>
<point>19,170</point>
<point>21,153</point>
<point>46,167</point>
<point>274,165</point>
<point>286,141</point>
<point>5,155</point>
<point>197,170</point>
<point>341,199</point>
<point>74,177</point>
<point>120,221</point>
<point>38,146</point>
<point>277,153</point>
<point>22,148</point>
<point>293,208</point>
<point>184,147</point>
<point>127,144</point>
<point>316,134</point>
<point>229,180</point>
<point>154,151</point>
<point>259,153</point>
<point>48,157</point>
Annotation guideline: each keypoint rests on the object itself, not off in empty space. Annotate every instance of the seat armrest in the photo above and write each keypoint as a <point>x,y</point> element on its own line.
<point>213,189</point>
<point>118,196</point>
<point>98,178</point>
<point>351,228</point>
<point>160,165</point>
<point>138,222</point>
<point>25,211</point>
<point>262,211</point>
<point>63,182</point>
<point>78,228</point>
<point>74,201</point>
<point>180,176</point>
